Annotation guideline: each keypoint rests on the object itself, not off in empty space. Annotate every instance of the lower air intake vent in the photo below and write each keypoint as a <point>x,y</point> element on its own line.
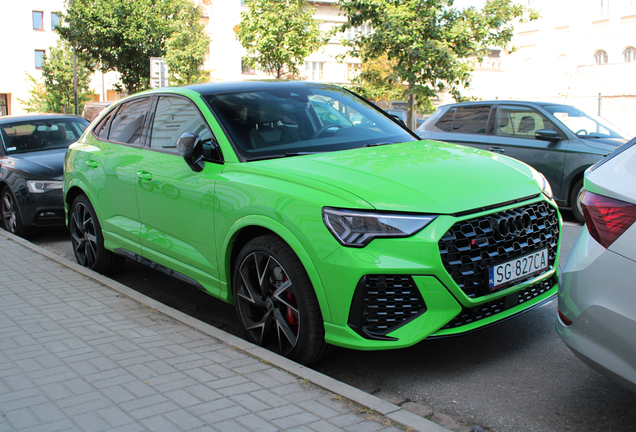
<point>383,303</point>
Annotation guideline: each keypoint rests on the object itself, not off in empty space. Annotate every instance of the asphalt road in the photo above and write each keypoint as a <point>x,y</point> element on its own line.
<point>516,376</point>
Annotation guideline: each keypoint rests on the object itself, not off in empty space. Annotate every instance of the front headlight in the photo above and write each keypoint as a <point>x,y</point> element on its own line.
<point>358,228</point>
<point>41,186</point>
<point>543,184</point>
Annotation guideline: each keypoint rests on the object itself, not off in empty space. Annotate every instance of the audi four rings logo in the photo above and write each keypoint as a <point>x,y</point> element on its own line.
<point>510,224</point>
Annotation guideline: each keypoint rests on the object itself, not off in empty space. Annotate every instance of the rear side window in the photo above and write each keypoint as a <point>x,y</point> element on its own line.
<point>471,120</point>
<point>446,122</point>
<point>101,130</point>
<point>128,124</point>
<point>467,120</point>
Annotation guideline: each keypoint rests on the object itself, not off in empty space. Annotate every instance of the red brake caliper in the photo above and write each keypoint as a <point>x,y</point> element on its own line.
<point>291,319</point>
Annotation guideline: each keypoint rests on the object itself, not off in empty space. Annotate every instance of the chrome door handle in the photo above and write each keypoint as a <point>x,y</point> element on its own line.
<point>496,149</point>
<point>91,164</point>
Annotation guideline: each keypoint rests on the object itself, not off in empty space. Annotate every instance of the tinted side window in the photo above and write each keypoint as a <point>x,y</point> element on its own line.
<point>446,122</point>
<point>128,123</point>
<point>521,122</point>
<point>175,116</point>
<point>471,120</point>
<point>101,130</point>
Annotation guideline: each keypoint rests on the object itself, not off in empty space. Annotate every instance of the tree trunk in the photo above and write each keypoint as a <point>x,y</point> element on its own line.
<point>410,116</point>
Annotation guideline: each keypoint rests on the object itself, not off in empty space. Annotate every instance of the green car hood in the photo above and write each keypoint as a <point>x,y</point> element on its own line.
<point>423,176</point>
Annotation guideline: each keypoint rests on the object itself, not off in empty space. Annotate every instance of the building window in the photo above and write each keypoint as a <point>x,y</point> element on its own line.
<point>38,20</point>
<point>247,69</point>
<point>55,19</point>
<point>629,54</point>
<point>353,70</point>
<point>313,71</point>
<point>600,57</point>
<point>3,105</point>
<point>354,32</point>
<point>39,58</point>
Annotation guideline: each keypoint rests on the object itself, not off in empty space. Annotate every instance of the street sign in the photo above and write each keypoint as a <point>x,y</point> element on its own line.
<point>158,73</point>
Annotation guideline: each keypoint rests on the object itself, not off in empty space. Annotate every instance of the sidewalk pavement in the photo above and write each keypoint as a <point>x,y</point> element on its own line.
<point>80,352</point>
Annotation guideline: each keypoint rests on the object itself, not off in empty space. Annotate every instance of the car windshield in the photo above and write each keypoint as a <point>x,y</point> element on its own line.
<point>583,124</point>
<point>300,119</point>
<point>38,135</point>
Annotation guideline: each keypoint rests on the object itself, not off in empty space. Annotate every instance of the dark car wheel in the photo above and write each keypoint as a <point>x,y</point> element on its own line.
<point>575,201</point>
<point>11,216</point>
<point>275,301</point>
<point>88,240</point>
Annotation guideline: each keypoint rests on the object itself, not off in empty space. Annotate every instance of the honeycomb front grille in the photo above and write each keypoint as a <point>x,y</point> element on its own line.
<point>383,303</point>
<point>471,246</point>
<point>474,314</point>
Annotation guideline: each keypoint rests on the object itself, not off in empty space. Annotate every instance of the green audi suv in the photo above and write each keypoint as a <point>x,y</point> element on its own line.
<point>323,220</point>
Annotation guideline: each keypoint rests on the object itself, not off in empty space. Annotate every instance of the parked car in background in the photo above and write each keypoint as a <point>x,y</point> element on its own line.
<point>403,115</point>
<point>324,220</point>
<point>92,109</point>
<point>32,149</point>
<point>559,141</point>
<point>597,299</point>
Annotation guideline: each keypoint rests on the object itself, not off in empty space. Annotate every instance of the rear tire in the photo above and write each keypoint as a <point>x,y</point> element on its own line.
<point>88,240</point>
<point>575,202</point>
<point>275,301</point>
<point>12,217</point>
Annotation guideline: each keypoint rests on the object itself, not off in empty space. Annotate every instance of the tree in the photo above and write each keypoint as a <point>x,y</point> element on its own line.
<point>122,35</point>
<point>278,35</point>
<point>56,92</point>
<point>429,42</point>
<point>186,49</point>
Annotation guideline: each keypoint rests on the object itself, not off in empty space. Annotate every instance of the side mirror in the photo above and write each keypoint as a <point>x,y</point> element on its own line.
<point>190,147</point>
<point>547,135</point>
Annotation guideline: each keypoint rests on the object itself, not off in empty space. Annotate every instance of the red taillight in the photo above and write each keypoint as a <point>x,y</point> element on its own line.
<point>563,319</point>
<point>606,218</point>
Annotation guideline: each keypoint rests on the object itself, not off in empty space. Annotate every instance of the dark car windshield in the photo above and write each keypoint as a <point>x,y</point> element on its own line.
<point>36,135</point>
<point>300,119</point>
<point>583,124</point>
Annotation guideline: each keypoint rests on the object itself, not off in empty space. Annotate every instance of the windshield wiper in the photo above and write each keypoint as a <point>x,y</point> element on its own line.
<point>379,144</point>
<point>300,153</point>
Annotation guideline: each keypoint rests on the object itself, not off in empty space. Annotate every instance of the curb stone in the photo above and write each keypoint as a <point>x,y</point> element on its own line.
<point>391,411</point>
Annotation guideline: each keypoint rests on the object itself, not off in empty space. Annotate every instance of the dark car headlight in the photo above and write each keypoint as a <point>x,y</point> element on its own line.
<point>358,228</point>
<point>42,186</point>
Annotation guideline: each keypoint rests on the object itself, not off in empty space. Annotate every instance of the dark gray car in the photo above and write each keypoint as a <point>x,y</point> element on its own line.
<point>559,141</point>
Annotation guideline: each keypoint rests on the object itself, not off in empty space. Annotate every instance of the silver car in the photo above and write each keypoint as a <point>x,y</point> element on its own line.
<point>597,290</point>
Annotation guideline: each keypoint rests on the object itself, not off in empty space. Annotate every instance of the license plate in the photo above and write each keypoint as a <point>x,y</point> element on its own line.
<point>517,268</point>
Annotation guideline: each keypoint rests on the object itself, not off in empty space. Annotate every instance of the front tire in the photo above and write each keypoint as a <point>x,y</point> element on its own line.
<point>12,217</point>
<point>575,201</point>
<point>275,301</point>
<point>88,240</point>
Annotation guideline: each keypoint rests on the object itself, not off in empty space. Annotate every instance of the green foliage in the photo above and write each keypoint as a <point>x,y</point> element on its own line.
<point>122,35</point>
<point>278,35</point>
<point>186,49</point>
<point>429,43</point>
<point>55,91</point>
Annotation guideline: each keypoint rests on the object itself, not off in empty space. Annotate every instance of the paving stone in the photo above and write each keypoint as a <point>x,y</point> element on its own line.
<point>286,423</point>
<point>76,355</point>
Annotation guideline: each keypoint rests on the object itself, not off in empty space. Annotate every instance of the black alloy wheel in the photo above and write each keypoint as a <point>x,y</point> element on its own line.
<point>88,241</point>
<point>11,216</point>
<point>275,301</point>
